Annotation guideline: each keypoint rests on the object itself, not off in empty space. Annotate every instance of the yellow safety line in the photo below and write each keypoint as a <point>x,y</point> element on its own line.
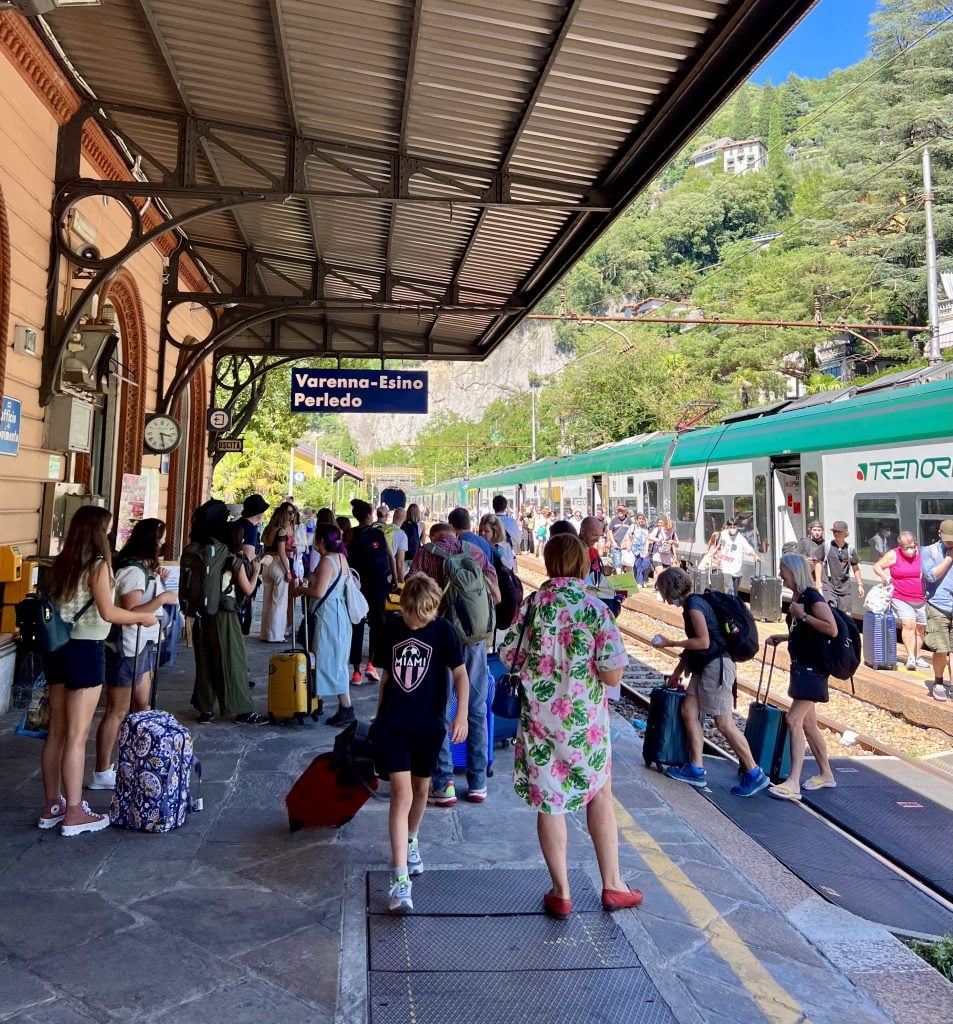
<point>774,1001</point>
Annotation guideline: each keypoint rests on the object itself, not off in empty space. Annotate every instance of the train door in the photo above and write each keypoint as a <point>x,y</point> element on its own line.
<point>597,497</point>
<point>788,506</point>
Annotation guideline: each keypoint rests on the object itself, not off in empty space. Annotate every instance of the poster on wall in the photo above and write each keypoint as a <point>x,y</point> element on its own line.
<point>138,499</point>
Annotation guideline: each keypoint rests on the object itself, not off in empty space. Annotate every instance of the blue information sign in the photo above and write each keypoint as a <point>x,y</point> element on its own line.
<point>359,391</point>
<point>10,427</point>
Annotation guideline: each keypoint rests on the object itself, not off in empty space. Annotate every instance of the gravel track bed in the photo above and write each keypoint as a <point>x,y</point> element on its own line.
<point>647,668</point>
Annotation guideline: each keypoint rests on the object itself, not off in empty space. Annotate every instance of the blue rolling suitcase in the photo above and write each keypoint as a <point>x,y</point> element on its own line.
<point>504,729</point>
<point>458,751</point>
<point>665,739</point>
<point>880,640</point>
<point>767,732</point>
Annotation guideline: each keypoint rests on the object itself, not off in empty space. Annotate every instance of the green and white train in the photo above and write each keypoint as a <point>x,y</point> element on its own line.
<point>878,456</point>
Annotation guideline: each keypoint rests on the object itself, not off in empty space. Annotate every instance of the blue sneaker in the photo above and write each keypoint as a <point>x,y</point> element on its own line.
<point>751,782</point>
<point>689,773</point>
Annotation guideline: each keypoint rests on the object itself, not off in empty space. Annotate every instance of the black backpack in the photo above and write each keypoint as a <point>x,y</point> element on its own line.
<point>413,538</point>
<point>377,559</point>
<point>511,593</point>
<point>739,633</point>
<point>842,653</point>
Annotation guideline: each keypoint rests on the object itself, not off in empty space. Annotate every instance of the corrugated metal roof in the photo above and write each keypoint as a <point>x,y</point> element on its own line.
<point>421,130</point>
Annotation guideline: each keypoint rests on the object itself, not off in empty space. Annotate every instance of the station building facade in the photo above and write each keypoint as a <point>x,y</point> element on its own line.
<point>95,448</point>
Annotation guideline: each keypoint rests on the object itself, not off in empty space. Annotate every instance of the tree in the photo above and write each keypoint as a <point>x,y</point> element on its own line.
<point>742,122</point>
<point>764,109</point>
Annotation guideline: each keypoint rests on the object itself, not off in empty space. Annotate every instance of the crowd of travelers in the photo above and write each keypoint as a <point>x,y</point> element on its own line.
<point>452,584</point>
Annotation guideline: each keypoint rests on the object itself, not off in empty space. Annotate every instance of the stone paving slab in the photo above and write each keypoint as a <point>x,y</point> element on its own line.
<point>250,921</point>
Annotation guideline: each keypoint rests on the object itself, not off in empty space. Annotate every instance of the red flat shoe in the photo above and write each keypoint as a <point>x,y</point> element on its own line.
<point>557,907</point>
<point>613,900</point>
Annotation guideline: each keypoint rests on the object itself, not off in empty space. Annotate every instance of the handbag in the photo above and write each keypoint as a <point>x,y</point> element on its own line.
<point>508,698</point>
<point>42,628</point>
<point>878,598</point>
<point>627,558</point>
<point>357,606</point>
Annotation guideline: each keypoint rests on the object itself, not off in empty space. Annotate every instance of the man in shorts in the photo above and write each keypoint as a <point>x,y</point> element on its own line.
<point>936,562</point>
<point>410,725</point>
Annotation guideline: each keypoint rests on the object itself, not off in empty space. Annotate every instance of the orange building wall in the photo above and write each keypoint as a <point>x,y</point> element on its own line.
<point>31,109</point>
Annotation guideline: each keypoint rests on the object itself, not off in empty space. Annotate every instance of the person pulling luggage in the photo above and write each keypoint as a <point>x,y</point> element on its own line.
<point>810,623</point>
<point>709,689</point>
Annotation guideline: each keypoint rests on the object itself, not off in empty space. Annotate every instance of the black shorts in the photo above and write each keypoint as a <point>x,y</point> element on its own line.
<point>808,684</point>
<point>79,665</point>
<point>406,750</point>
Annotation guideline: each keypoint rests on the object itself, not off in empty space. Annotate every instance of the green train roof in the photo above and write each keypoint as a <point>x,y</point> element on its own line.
<point>922,412</point>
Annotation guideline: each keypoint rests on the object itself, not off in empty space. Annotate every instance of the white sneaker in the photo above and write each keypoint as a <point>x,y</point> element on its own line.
<point>93,823</point>
<point>415,866</point>
<point>922,663</point>
<point>911,665</point>
<point>103,780</point>
<point>400,901</point>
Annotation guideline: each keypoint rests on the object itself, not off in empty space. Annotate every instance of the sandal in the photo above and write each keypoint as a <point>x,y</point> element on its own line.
<point>782,792</point>
<point>818,782</point>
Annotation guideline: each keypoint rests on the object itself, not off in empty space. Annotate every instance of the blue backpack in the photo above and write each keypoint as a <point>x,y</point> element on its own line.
<point>153,774</point>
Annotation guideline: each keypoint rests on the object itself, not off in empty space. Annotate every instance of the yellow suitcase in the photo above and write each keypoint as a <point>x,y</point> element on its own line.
<point>289,693</point>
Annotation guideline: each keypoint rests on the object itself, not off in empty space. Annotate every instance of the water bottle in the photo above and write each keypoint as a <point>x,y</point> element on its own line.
<point>657,640</point>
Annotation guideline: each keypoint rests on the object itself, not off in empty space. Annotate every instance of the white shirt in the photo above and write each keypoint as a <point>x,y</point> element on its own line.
<point>129,579</point>
<point>398,542</point>
<point>732,551</point>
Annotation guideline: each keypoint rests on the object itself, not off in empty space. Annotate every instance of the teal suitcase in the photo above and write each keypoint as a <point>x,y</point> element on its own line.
<point>767,732</point>
<point>665,740</point>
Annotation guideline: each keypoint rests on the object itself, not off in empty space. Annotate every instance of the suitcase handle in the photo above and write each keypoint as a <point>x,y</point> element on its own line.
<point>135,668</point>
<point>764,658</point>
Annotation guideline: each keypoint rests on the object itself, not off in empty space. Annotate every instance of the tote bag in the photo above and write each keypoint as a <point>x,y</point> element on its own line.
<point>357,606</point>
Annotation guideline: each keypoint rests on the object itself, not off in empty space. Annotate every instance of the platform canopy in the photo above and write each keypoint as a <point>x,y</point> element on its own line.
<point>399,179</point>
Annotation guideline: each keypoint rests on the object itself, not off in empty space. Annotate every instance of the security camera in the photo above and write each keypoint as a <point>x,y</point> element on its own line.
<point>87,252</point>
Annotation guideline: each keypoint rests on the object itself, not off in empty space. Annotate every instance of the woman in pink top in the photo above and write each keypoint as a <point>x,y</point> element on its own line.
<point>900,568</point>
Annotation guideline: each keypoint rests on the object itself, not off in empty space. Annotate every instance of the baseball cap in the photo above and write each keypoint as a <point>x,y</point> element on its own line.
<point>621,508</point>
<point>254,505</point>
<point>816,523</point>
<point>946,529</point>
<point>839,526</point>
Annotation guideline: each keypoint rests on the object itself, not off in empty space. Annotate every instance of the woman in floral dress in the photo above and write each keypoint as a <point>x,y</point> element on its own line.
<point>571,652</point>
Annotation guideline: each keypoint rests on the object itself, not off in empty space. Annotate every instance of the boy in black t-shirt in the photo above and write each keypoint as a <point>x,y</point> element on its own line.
<point>410,725</point>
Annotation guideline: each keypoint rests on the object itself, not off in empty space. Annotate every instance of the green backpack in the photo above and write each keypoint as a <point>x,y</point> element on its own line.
<point>467,602</point>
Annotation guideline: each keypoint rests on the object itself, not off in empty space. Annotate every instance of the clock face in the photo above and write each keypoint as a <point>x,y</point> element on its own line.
<point>162,434</point>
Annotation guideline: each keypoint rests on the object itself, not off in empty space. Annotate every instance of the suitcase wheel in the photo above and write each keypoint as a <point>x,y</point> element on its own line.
<point>299,717</point>
<point>504,743</point>
<point>315,716</point>
<point>489,773</point>
<point>271,718</point>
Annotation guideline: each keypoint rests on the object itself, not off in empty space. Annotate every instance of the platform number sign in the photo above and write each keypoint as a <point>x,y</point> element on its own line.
<point>219,419</point>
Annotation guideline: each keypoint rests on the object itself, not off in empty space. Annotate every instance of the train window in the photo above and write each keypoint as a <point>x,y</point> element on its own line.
<point>713,480</point>
<point>714,516</point>
<point>742,511</point>
<point>683,495</point>
<point>877,525</point>
<point>761,512</point>
<point>650,499</point>
<point>932,511</point>
<point>812,497</point>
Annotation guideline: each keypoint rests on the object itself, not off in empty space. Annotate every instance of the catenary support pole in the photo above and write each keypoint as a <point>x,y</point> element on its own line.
<point>933,304</point>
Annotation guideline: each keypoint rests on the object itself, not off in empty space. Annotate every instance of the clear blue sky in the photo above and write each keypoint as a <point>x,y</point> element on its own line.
<point>833,35</point>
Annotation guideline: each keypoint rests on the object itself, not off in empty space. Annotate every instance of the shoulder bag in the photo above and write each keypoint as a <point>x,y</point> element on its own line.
<point>508,698</point>
<point>357,606</point>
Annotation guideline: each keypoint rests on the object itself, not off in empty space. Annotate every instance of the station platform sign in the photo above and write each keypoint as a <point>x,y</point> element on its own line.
<point>400,391</point>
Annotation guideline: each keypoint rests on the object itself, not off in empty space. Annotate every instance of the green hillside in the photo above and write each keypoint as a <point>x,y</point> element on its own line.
<point>842,192</point>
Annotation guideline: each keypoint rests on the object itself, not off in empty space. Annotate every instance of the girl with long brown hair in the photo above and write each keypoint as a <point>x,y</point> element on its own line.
<point>81,588</point>
<point>278,574</point>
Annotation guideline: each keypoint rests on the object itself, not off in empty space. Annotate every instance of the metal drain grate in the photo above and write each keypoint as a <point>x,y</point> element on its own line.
<point>531,997</point>
<point>481,893</point>
<point>497,943</point>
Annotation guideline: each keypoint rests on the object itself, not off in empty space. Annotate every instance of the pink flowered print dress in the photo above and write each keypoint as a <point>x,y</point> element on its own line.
<point>563,754</point>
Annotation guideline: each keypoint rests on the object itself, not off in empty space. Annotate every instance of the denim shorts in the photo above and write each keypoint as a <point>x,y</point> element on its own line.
<point>121,667</point>
<point>905,612</point>
<point>80,665</point>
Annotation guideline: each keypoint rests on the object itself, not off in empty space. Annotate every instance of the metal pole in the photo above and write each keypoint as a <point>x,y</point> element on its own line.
<point>291,471</point>
<point>468,454</point>
<point>532,394</point>
<point>933,304</point>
